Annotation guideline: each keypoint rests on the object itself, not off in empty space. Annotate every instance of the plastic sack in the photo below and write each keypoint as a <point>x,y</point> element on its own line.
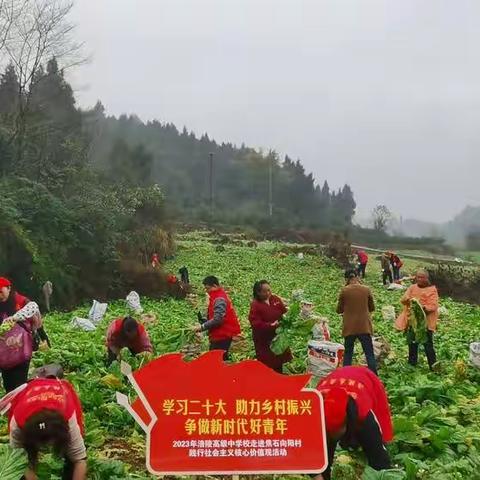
<point>306,309</point>
<point>320,330</point>
<point>388,313</point>
<point>300,256</point>
<point>133,302</point>
<point>97,312</point>
<point>323,357</point>
<point>381,349</point>
<point>396,286</point>
<point>83,323</point>
<point>475,354</point>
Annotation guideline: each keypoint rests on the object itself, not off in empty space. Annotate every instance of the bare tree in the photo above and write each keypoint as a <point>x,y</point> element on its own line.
<point>35,32</point>
<point>381,216</point>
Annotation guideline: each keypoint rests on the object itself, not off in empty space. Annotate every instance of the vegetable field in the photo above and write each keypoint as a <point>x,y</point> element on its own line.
<point>436,415</point>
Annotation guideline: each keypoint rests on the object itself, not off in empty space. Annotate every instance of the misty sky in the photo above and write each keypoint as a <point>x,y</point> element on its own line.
<point>384,95</point>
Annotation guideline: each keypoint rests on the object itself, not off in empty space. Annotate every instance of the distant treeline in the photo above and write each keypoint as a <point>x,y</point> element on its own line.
<point>179,162</point>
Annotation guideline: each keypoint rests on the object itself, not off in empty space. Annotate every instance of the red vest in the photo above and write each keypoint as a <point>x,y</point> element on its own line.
<point>47,394</point>
<point>367,391</point>
<point>230,326</point>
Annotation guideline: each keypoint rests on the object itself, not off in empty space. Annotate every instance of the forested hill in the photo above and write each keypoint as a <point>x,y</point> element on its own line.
<point>179,162</point>
<point>83,193</point>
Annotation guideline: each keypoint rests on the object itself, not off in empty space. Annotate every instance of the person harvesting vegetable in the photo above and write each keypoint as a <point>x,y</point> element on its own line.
<point>47,413</point>
<point>362,263</point>
<point>266,312</point>
<point>356,304</point>
<point>127,333</point>
<point>18,319</point>
<point>419,318</point>
<point>222,323</point>
<point>397,264</point>
<point>386,269</point>
<point>357,413</point>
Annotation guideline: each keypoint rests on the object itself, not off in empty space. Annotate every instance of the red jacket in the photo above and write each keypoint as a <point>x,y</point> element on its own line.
<point>20,302</point>
<point>362,257</point>
<point>230,326</point>
<point>367,391</point>
<point>115,341</point>
<point>47,394</point>
<point>396,262</point>
<point>261,317</point>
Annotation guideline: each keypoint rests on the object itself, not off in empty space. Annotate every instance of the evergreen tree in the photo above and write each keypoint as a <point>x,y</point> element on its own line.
<point>9,91</point>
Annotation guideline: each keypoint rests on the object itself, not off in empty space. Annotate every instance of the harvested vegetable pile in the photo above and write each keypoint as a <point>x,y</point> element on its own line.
<point>436,416</point>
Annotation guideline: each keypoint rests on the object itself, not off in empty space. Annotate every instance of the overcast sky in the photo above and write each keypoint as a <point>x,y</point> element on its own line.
<point>384,95</point>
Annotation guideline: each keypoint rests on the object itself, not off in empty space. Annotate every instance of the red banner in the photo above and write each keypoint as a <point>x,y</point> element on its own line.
<point>207,416</point>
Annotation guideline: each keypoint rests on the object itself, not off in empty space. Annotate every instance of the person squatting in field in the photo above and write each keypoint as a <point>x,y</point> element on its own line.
<point>20,320</point>
<point>45,414</point>
<point>266,312</point>
<point>222,322</point>
<point>127,333</point>
<point>356,304</point>
<point>357,414</point>
<point>427,294</point>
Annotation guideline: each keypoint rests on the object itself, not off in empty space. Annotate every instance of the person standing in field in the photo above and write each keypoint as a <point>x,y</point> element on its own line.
<point>266,312</point>
<point>362,263</point>
<point>397,264</point>
<point>356,305</point>
<point>357,414</point>
<point>19,317</point>
<point>386,269</point>
<point>427,295</point>
<point>222,322</point>
<point>155,261</point>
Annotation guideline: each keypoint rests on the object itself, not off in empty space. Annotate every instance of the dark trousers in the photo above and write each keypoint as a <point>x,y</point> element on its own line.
<point>367,345</point>
<point>369,438</point>
<point>67,470</point>
<point>222,345</point>
<point>16,376</point>
<point>396,273</point>
<point>387,275</point>
<point>362,270</point>
<point>429,351</point>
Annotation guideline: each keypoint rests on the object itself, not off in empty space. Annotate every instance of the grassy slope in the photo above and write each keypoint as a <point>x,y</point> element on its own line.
<point>437,415</point>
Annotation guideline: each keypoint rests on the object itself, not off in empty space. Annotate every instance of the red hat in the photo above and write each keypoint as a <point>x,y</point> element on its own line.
<point>335,407</point>
<point>5,282</point>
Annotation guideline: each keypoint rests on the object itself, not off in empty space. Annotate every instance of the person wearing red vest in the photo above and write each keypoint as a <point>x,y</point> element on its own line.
<point>362,263</point>
<point>222,323</point>
<point>48,413</point>
<point>357,413</point>
<point>10,303</point>
<point>127,333</point>
<point>397,264</point>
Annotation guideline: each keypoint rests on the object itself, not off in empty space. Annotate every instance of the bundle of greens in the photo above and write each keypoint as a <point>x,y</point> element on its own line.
<point>13,463</point>
<point>292,326</point>
<point>417,323</point>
